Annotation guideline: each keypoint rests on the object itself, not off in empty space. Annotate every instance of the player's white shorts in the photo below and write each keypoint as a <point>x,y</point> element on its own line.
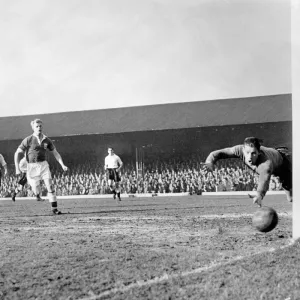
<point>38,171</point>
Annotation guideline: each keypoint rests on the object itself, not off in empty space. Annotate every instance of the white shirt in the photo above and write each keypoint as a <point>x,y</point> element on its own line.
<point>2,161</point>
<point>112,161</point>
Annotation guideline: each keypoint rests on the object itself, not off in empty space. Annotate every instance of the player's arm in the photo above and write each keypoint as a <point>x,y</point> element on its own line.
<point>4,164</point>
<point>105,164</point>
<point>213,157</point>
<point>265,172</point>
<point>59,159</point>
<point>17,158</point>
<point>5,169</point>
<point>120,163</point>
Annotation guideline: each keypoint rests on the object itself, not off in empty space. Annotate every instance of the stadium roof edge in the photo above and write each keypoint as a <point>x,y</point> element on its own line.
<point>259,109</point>
<point>137,106</point>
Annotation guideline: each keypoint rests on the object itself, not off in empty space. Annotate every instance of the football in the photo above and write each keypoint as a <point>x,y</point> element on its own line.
<point>265,219</point>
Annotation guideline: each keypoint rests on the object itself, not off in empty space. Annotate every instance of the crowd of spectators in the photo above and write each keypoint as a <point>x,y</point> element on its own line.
<point>162,174</point>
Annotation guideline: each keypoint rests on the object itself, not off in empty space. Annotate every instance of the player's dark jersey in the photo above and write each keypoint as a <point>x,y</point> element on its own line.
<point>269,158</point>
<point>34,149</point>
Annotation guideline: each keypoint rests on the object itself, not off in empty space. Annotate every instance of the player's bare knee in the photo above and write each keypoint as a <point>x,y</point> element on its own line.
<point>52,189</point>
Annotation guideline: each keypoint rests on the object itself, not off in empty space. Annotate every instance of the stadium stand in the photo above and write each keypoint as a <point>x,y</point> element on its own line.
<point>175,174</point>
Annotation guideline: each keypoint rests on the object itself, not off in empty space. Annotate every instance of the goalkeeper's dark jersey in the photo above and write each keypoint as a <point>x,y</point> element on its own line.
<point>270,162</point>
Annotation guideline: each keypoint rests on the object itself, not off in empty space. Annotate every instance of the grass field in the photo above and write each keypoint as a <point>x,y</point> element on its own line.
<point>190,247</point>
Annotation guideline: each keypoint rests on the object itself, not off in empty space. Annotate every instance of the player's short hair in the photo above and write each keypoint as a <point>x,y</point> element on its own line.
<point>35,121</point>
<point>253,142</point>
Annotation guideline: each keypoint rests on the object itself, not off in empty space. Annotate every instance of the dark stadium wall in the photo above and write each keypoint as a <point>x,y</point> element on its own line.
<point>185,140</point>
<point>251,110</point>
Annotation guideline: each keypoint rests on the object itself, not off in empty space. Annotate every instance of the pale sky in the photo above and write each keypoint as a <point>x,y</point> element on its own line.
<point>70,55</point>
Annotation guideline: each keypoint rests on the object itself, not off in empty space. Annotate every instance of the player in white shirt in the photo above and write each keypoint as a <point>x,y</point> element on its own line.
<point>4,165</point>
<point>23,180</point>
<point>113,164</point>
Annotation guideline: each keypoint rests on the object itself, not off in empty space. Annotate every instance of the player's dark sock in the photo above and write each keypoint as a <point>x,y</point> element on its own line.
<point>119,196</point>
<point>54,208</point>
<point>115,193</point>
<point>14,193</point>
<point>13,196</point>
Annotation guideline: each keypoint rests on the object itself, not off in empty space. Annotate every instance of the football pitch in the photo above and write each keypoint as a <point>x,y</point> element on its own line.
<point>187,247</point>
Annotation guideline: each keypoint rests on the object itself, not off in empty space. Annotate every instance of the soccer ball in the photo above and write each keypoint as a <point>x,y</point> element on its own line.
<point>265,219</point>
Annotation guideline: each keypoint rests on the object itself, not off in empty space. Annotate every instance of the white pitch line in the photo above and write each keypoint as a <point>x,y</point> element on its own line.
<point>141,283</point>
<point>239,215</point>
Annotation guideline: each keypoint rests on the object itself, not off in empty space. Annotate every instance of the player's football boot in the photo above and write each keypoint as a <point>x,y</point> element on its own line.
<point>56,211</point>
<point>38,198</point>
<point>13,196</point>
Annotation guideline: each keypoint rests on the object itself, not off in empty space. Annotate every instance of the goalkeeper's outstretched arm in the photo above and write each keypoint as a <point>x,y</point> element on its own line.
<point>231,152</point>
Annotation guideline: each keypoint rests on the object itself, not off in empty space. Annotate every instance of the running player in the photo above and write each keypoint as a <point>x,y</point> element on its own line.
<point>113,164</point>
<point>263,161</point>
<point>4,166</point>
<point>23,180</point>
<point>35,147</point>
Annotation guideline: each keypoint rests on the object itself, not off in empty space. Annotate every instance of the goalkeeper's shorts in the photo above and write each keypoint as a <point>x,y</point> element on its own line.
<point>286,170</point>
